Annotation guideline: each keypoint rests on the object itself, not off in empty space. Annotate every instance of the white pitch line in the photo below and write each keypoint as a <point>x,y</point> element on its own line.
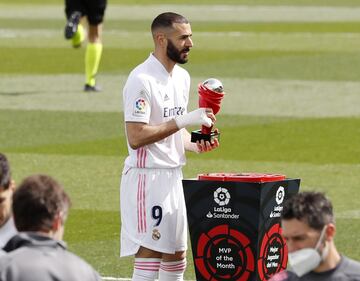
<point>50,33</point>
<point>235,13</point>
<point>349,214</point>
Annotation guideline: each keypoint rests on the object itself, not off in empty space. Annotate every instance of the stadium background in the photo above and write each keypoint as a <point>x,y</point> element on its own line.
<point>291,70</point>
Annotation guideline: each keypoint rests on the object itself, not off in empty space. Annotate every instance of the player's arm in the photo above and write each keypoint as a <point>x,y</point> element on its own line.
<point>198,147</point>
<point>140,134</point>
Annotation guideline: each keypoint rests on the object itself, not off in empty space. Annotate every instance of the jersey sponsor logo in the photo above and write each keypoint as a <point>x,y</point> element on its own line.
<point>140,107</point>
<point>174,111</point>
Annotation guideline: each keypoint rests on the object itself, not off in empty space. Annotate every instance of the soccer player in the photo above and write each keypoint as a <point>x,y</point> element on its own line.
<point>76,12</point>
<point>309,230</point>
<point>156,95</point>
<point>37,253</point>
<point>7,187</point>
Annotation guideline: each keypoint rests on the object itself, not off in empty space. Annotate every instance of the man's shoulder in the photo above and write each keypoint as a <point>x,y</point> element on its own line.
<point>350,267</point>
<point>82,267</point>
<point>18,261</point>
<point>139,71</point>
<point>141,74</point>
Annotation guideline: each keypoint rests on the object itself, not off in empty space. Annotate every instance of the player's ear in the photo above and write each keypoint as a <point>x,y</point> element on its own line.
<point>12,185</point>
<point>57,222</point>
<point>161,39</point>
<point>58,226</point>
<point>330,231</point>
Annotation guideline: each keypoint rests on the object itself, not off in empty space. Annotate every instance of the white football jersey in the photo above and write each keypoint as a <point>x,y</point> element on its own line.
<point>152,96</point>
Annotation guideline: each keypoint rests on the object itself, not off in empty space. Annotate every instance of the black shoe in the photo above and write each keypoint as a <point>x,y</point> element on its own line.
<point>72,24</point>
<point>88,88</point>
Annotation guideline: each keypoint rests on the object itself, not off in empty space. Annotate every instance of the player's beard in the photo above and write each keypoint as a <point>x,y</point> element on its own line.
<point>174,54</point>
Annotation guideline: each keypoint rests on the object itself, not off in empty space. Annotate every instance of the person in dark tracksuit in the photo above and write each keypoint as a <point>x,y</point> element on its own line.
<point>37,252</point>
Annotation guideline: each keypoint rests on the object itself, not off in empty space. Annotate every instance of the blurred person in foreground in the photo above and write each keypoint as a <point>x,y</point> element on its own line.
<point>37,252</point>
<point>7,187</point>
<point>309,229</point>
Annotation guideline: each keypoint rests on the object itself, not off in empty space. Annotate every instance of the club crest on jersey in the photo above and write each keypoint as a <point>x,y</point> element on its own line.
<point>156,234</point>
<point>140,107</point>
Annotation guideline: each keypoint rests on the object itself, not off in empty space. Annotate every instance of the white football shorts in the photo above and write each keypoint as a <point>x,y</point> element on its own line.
<point>153,212</point>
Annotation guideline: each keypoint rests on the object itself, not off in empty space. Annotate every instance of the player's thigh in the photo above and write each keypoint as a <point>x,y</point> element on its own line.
<point>147,253</point>
<point>72,6</point>
<point>96,11</point>
<point>174,257</point>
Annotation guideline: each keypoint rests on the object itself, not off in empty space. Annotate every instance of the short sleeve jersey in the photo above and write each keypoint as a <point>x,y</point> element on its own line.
<point>153,96</point>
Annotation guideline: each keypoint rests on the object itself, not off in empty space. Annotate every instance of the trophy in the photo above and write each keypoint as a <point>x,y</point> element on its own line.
<point>211,92</point>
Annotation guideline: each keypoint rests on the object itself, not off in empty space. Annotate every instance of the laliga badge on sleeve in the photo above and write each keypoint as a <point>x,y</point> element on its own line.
<point>140,107</point>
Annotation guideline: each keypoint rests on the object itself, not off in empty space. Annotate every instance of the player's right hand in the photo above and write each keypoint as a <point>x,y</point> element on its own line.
<point>200,116</point>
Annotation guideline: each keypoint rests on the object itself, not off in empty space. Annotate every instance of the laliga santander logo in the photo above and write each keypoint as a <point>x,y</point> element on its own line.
<point>280,195</point>
<point>222,196</point>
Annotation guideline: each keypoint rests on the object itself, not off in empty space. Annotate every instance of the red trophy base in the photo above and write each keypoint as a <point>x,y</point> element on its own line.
<point>198,136</point>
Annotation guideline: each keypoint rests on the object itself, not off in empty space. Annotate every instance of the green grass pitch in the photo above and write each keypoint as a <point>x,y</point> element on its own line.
<point>292,104</point>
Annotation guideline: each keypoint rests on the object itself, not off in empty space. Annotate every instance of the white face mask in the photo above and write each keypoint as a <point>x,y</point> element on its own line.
<point>307,259</point>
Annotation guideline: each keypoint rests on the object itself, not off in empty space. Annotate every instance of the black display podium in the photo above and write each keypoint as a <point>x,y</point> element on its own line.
<point>234,224</point>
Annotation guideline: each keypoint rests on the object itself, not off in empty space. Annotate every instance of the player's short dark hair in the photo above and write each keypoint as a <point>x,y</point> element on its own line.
<point>312,208</point>
<point>5,172</point>
<point>37,201</point>
<point>166,20</point>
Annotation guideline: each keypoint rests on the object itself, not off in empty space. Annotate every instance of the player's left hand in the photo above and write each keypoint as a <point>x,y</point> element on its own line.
<point>205,146</point>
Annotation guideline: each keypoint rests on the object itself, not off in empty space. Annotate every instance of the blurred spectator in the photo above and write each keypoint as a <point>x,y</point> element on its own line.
<point>309,229</point>
<point>7,187</point>
<point>40,207</point>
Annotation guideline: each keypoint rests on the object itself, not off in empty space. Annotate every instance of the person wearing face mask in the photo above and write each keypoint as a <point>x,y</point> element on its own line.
<point>308,226</point>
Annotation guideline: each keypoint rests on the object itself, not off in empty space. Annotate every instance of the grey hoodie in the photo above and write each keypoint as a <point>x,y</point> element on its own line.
<point>34,257</point>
